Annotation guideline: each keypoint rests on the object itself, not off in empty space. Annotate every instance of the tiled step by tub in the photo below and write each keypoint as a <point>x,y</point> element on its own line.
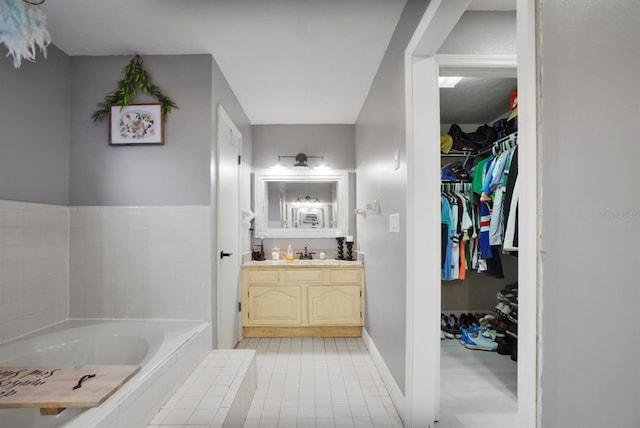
<point>217,394</point>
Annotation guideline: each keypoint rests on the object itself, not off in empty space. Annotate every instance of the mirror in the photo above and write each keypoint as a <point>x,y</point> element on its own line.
<point>301,205</point>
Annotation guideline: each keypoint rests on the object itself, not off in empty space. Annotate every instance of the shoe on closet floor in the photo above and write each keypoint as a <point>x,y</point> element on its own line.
<point>449,326</point>
<point>455,324</point>
<point>478,342</point>
<point>503,308</point>
<point>467,320</point>
<point>505,345</point>
<point>502,324</point>
<point>491,334</point>
<point>486,320</point>
<point>443,326</point>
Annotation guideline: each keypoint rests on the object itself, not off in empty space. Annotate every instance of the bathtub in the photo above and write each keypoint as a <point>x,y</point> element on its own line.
<point>166,351</point>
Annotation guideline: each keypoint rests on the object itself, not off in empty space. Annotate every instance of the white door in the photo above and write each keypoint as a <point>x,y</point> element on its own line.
<point>228,231</point>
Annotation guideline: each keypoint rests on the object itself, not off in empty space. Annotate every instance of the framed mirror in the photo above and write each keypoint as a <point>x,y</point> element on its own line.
<point>301,205</point>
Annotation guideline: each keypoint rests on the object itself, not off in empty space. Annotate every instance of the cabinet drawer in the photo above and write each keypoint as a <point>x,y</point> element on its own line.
<point>345,276</point>
<point>267,277</point>
<point>303,276</point>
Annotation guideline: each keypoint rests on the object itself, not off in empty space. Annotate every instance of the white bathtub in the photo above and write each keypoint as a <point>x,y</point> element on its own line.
<point>167,351</point>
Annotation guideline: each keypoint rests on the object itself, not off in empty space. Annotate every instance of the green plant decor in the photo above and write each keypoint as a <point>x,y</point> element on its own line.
<point>135,77</point>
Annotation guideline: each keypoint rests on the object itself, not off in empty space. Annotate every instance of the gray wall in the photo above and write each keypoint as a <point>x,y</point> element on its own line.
<point>590,213</point>
<point>334,142</point>
<point>479,32</point>
<point>380,131</point>
<point>176,173</point>
<point>34,119</point>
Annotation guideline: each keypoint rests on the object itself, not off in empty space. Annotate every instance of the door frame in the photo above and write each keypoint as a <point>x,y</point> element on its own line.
<point>422,397</point>
<point>224,116</point>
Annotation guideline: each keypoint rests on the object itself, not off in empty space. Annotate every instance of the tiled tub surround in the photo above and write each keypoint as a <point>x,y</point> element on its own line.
<point>140,262</point>
<point>218,393</point>
<point>34,266</point>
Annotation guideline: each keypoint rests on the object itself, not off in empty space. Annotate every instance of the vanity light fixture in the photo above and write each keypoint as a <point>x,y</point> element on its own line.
<point>309,199</point>
<point>301,161</point>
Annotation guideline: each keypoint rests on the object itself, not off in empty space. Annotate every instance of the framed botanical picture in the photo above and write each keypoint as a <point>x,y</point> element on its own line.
<point>136,124</point>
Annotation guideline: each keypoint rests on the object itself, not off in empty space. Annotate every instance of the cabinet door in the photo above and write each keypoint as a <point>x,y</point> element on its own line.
<point>274,306</point>
<point>335,305</point>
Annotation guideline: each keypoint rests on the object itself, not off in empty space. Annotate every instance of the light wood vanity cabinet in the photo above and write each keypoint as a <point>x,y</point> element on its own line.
<point>293,300</point>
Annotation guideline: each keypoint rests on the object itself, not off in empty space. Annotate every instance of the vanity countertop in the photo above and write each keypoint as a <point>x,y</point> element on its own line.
<point>303,263</point>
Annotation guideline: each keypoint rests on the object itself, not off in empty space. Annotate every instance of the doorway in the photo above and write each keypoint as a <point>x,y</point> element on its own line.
<point>422,391</point>
<point>478,359</point>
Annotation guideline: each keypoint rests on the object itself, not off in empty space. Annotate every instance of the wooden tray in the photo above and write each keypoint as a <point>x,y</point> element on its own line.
<point>52,389</point>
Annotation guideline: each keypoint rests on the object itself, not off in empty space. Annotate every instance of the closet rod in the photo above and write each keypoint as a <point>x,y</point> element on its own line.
<point>496,143</point>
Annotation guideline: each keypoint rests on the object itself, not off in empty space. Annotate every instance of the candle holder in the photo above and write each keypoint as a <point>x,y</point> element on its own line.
<point>340,248</point>
<point>349,251</point>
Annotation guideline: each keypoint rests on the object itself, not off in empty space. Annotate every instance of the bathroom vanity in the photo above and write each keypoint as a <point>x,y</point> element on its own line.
<point>311,298</point>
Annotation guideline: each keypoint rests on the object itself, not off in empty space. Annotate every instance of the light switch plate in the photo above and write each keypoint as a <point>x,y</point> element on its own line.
<point>394,223</point>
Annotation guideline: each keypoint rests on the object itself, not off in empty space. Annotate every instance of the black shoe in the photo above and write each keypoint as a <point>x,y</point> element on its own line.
<point>506,345</point>
<point>455,327</point>
<point>514,353</point>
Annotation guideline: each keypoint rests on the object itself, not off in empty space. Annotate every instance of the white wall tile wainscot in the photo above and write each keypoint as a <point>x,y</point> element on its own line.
<point>140,262</point>
<point>34,266</point>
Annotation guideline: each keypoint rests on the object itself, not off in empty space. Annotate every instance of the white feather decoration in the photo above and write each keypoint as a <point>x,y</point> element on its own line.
<point>22,28</point>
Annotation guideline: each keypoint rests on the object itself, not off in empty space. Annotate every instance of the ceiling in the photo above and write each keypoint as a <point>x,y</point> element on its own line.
<point>476,100</point>
<point>287,61</point>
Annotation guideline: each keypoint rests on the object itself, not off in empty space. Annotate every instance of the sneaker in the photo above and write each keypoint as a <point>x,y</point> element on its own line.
<point>454,327</point>
<point>505,345</point>
<point>470,332</point>
<point>486,320</point>
<point>492,334</point>
<point>511,288</point>
<point>478,343</point>
<point>506,309</point>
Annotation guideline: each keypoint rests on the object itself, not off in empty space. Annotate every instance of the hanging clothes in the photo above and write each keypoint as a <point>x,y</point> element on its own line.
<point>457,230</point>
<point>479,216</point>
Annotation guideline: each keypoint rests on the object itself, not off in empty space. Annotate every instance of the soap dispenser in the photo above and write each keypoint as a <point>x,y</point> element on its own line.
<point>289,253</point>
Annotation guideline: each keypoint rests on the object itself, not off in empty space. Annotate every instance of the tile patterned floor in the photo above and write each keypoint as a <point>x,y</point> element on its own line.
<point>332,382</point>
<point>478,388</point>
<point>317,383</point>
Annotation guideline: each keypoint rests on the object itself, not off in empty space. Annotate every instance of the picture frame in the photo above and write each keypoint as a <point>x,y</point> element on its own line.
<point>136,124</point>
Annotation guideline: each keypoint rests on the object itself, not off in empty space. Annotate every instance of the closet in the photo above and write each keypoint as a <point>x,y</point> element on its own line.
<point>479,246</point>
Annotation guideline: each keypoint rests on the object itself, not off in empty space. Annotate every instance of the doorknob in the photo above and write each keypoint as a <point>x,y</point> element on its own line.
<point>223,254</point>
